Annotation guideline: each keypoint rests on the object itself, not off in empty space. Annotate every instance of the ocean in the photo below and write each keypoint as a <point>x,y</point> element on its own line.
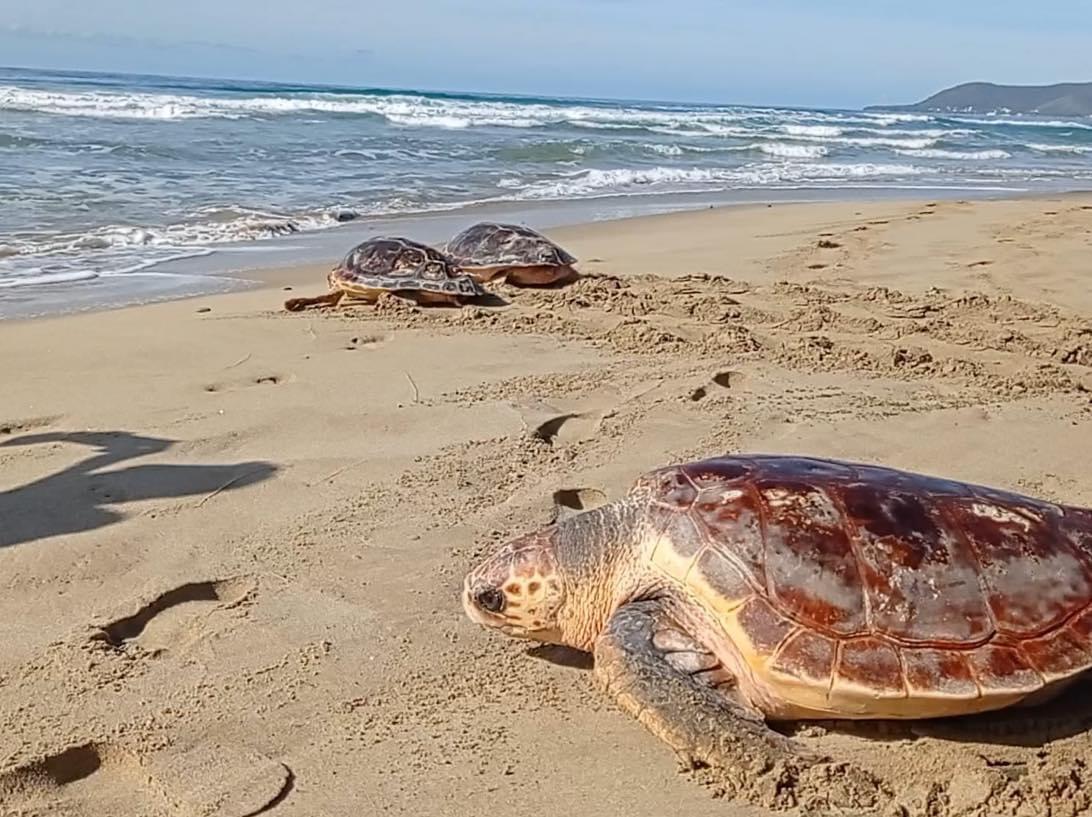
<point>111,186</point>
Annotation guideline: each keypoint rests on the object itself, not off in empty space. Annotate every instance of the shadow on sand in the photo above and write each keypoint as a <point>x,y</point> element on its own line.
<point>1031,726</point>
<point>77,498</point>
<point>1067,715</point>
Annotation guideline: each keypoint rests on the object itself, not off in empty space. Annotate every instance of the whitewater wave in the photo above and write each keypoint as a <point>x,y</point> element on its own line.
<point>449,113</point>
<point>212,225</point>
<point>665,150</point>
<point>787,151</point>
<point>823,131</point>
<point>34,277</point>
<point>1044,148</point>
<point>973,155</point>
<point>1025,123</point>
<point>621,181</point>
<point>400,109</point>
<point>894,118</point>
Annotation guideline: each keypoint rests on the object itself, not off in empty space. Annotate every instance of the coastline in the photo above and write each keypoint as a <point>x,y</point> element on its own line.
<point>232,267</point>
<point>234,537</point>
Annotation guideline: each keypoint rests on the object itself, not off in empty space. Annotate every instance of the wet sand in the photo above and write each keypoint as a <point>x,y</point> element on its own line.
<point>232,538</point>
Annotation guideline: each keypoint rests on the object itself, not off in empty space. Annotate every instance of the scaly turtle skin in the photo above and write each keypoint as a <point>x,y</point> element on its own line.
<point>722,594</point>
<point>520,255</point>
<point>399,265</point>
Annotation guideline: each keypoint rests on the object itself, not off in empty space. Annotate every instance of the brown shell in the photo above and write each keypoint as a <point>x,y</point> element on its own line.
<point>489,244</point>
<point>400,264</point>
<point>904,585</point>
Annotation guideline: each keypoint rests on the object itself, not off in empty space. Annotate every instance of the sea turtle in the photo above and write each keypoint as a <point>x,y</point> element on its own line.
<point>488,250</point>
<point>397,265</point>
<point>723,594</point>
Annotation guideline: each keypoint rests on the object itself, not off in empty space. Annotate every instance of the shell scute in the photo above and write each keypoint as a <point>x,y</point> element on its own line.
<point>920,579</point>
<point>671,487</point>
<point>1033,577</point>
<point>677,546</point>
<point>806,656</point>
<point>732,524</point>
<point>720,580</point>
<point>1076,527</point>
<point>810,566</point>
<point>1058,655</point>
<point>1081,626</point>
<point>1002,669</point>
<point>867,663</point>
<point>763,626</point>
<point>938,673</point>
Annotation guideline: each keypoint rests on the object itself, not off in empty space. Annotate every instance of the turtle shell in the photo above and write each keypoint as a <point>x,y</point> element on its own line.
<point>400,264</point>
<point>859,591</point>
<point>492,245</point>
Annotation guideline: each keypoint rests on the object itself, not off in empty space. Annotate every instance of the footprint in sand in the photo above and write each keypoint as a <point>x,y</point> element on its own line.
<point>364,342</point>
<point>212,779</point>
<point>176,617</point>
<point>246,383</point>
<point>569,501</point>
<point>567,428</point>
<point>90,779</point>
<point>83,780</point>
<point>27,424</point>
<point>721,380</point>
<point>827,244</point>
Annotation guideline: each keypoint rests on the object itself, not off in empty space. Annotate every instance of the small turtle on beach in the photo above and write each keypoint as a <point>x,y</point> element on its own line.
<point>398,265</point>
<point>520,255</point>
<point>722,594</point>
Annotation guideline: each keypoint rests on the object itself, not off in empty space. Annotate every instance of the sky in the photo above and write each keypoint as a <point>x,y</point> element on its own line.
<point>812,53</point>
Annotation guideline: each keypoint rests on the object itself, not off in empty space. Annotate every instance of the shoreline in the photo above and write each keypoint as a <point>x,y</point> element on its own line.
<point>234,267</point>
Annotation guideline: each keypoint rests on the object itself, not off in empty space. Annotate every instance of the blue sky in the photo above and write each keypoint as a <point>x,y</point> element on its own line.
<point>844,53</point>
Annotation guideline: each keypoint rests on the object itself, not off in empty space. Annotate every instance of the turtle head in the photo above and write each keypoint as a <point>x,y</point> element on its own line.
<point>558,584</point>
<point>519,589</point>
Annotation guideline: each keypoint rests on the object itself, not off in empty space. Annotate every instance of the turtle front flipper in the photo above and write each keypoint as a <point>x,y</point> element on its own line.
<point>328,300</point>
<point>664,678</point>
<point>704,724</point>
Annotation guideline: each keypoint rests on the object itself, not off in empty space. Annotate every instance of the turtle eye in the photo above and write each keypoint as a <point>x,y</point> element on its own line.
<point>490,599</point>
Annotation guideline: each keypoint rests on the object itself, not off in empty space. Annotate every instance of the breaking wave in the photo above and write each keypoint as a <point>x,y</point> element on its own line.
<point>974,155</point>
<point>1042,148</point>
<point>210,226</point>
<point>598,183</point>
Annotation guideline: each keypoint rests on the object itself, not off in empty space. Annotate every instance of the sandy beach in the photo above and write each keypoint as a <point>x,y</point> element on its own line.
<point>232,538</point>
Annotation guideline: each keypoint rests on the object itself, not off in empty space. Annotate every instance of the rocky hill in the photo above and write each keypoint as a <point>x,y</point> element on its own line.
<point>1063,99</point>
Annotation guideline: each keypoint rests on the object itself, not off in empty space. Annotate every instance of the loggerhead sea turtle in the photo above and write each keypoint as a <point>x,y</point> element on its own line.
<point>722,594</point>
<point>397,265</point>
<point>522,256</point>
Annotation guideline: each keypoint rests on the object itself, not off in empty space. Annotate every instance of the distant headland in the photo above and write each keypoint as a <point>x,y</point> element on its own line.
<point>1063,99</point>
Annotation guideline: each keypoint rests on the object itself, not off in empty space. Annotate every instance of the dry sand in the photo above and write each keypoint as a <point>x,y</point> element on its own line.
<point>231,538</point>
